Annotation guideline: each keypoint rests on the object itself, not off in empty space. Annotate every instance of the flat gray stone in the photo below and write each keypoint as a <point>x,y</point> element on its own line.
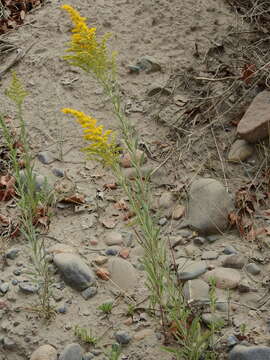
<point>74,271</point>
<point>253,269</point>
<point>72,352</point>
<point>208,207</point>
<point>122,273</point>
<point>196,290</point>
<point>240,352</point>
<point>234,261</point>
<point>209,255</point>
<point>188,270</point>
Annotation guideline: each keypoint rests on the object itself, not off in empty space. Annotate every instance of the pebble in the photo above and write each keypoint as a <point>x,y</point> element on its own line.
<point>44,352</point>
<point>162,221</point>
<point>149,64</point>
<point>45,157</point>
<point>61,248</point>
<point>126,161</point>
<point>100,260</point>
<point>28,287</point>
<point>62,309</point>
<point>243,286</point>
<point>41,182</point>
<point>12,253</point>
<point>253,269</point>
<point>122,337</point>
<point>89,292</point>
<point>74,271</point>
<point>112,252</point>
<point>189,270</point>
<point>72,352</point>
<point>209,255</point>
<point>225,278</point>
<point>212,238</point>
<point>240,151</point>
<point>229,250</point>
<point>178,212</point>
<point>113,238</point>
<point>8,343</point>
<point>58,172</point>
<point>208,207</point>
<point>195,290</point>
<point>192,250</point>
<point>235,261</point>
<point>122,273</point>
<point>210,318</point>
<point>232,341</point>
<point>241,352</point>
<point>199,241</point>
<point>14,282</point>
<point>4,287</point>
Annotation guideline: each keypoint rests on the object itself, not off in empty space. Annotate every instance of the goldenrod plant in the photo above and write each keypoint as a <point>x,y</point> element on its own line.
<point>28,199</point>
<point>93,56</point>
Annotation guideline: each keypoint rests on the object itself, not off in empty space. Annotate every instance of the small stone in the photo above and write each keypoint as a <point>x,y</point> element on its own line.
<point>192,250</point>
<point>58,172</point>
<point>209,255</point>
<point>124,253</point>
<point>243,286</point>
<point>254,125</point>
<point>209,318</point>
<point>44,352</point>
<point>61,248</point>
<point>232,341</point>
<point>57,295</point>
<point>41,182</point>
<point>72,352</point>
<point>100,260</point>
<point>253,269</point>
<point>8,343</point>
<point>241,352</point>
<point>12,253</point>
<point>240,151</point>
<point>62,309</point>
<point>126,161</point>
<point>229,250</point>
<point>45,157</point>
<point>225,278</point>
<point>14,282</point>
<point>195,290</point>
<point>234,261</point>
<point>140,335</point>
<point>112,252</point>
<point>134,69</point>
<point>189,270</point>
<point>178,212</point>
<point>89,292</point>
<point>28,288</point>
<point>113,238</point>
<point>162,221</point>
<point>74,271</point>
<point>149,64</point>
<point>122,337</point>
<point>199,241</point>
<point>212,238</point>
<point>4,287</point>
<point>122,273</point>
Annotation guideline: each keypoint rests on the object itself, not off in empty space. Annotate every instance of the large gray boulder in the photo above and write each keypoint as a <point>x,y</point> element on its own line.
<point>240,352</point>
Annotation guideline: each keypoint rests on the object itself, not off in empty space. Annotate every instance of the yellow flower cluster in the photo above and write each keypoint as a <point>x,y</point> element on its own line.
<point>86,51</point>
<point>102,142</point>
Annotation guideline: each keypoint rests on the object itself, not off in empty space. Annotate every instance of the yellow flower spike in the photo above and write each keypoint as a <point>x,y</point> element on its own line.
<point>102,142</point>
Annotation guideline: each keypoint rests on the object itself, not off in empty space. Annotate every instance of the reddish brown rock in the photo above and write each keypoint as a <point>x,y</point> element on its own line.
<point>255,124</point>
